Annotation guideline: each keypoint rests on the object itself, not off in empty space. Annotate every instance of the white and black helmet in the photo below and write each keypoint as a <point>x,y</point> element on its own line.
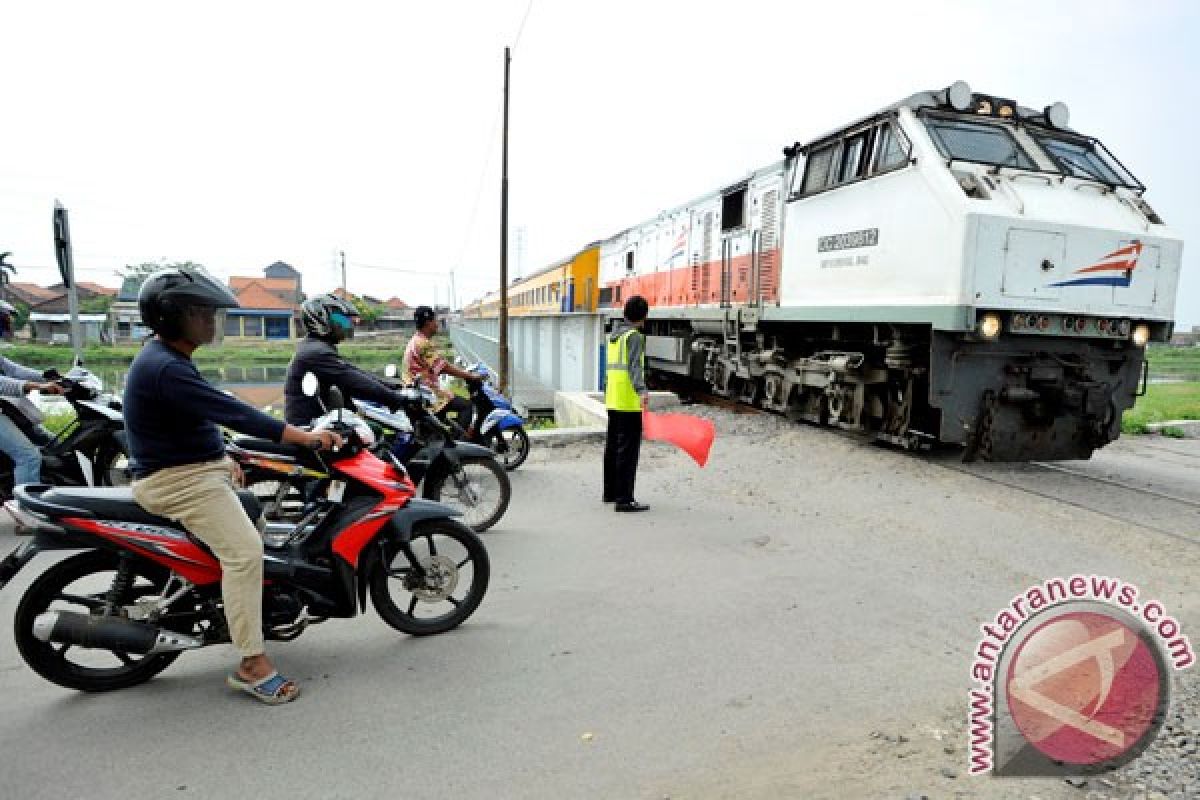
<point>328,317</point>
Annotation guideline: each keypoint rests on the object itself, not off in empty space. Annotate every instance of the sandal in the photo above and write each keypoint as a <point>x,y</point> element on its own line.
<point>272,690</point>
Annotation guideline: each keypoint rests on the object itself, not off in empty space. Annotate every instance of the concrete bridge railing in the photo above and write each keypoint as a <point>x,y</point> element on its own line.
<point>561,352</point>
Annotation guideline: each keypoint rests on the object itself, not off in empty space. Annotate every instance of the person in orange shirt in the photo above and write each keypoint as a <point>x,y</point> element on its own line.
<point>423,360</point>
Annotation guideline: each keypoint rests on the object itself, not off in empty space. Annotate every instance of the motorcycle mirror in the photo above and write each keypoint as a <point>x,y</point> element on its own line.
<point>336,401</point>
<point>310,385</point>
<point>390,371</point>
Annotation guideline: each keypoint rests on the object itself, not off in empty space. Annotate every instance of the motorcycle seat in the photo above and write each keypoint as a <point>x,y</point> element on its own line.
<point>267,446</point>
<point>118,504</point>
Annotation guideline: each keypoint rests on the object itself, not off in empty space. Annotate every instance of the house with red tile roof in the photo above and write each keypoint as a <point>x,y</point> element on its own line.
<point>268,306</point>
<point>29,293</point>
<point>86,286</point>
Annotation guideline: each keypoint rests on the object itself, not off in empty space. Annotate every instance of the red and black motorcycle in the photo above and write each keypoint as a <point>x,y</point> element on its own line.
<point>144,590</point>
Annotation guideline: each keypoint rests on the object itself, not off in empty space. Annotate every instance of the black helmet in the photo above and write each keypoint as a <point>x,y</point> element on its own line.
<point>166,293</point>
<point>423,314</point>
<point>328,316</point>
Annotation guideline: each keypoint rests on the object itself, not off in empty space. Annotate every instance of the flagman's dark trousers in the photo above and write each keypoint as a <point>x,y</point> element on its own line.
<point>621,450</point>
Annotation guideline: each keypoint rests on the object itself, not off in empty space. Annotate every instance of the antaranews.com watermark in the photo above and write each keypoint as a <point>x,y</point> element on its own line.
<point>1072,678</point>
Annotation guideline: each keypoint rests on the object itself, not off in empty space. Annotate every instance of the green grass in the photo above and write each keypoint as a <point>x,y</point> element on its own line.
<point>57,421</point>
<point>1163,402</point>
<point>1170,361</point>
<point>42,356</point>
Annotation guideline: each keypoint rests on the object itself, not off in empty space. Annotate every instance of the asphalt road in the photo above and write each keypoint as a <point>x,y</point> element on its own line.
<point>795,620</point>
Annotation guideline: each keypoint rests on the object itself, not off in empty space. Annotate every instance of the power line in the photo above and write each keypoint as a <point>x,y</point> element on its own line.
<point>404,270</point>
<point>521,29</point>
<point>487,162</point>
<point>488,148</point>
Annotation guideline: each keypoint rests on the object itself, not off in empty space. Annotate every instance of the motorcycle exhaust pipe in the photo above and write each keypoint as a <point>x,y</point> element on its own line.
<point>109,633</point>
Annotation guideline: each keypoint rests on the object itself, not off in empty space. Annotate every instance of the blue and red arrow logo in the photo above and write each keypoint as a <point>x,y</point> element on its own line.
<point>1115,269</point>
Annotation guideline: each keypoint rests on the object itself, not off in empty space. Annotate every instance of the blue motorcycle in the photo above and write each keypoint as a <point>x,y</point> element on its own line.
<point>498,425</point>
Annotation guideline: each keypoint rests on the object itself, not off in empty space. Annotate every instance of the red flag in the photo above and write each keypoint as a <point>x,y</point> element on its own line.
<point>692,435</point>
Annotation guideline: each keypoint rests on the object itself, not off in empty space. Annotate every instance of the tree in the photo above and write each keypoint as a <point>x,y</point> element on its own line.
<point>97,304</point>
<point>133,275</point>
<point>5,269</point>
<point>22,315</point>
<point>366,312</point>
<point>148,267</point>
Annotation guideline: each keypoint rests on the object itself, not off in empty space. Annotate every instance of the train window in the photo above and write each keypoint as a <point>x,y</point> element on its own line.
<point>980,142</point>
<point>816,169</point>
<point>891,148</point>
<point>1083,158</point>
<point>629,263</point>
<point>854,161</point>
<point>606,296</point>
<point>733,210</point>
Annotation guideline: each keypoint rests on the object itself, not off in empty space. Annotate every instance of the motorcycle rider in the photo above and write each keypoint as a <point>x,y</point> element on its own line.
<point>423,360</point>
<point>17,381</point>
<point>328,320</point>
<point>178,456</point>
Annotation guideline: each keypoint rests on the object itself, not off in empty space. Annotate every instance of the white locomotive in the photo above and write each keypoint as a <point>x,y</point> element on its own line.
<point>954,267</point>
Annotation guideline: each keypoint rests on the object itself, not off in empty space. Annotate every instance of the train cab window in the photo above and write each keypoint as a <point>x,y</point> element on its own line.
<point>857,154</point>
<point>733,210</point>
<point>891,148</point>
<point>1088,159</point>
<point>854,157</point>
<point>816,169</point>
<point>980,142</point>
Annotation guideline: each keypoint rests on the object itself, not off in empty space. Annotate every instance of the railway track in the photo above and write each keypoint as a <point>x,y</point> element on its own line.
<point>1170,513</point>
<point>1144,507</point>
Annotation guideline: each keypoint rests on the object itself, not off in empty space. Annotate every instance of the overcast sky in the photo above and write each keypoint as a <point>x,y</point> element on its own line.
<point>237,134</point>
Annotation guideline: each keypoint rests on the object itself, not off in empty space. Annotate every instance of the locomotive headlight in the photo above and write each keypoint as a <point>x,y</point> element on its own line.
<point>1141,335</point>
<point>958,95</point>
<point>989,326</point>
<point>1057,115</point>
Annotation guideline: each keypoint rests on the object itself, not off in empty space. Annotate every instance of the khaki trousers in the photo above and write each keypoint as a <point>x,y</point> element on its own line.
<point>201,497</point>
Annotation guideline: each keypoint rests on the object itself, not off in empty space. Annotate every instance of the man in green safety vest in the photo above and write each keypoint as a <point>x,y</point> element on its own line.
<point>625,399</point>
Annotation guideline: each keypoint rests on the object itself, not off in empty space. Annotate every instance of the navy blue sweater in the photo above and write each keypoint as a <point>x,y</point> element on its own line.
<point>171,413</point>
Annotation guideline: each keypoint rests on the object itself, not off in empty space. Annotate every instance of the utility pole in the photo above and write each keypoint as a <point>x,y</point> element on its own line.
<point>503,333</point>
<point>342,253</point>
<point>453,293</point>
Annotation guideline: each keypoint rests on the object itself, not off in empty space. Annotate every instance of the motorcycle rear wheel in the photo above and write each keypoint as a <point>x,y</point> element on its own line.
<point>90,576</point>
<point>450,553</point>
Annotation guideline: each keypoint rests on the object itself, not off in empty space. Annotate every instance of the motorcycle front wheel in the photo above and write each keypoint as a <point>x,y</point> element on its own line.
<point>438,590</point>
<point>511,447</point>
<point>480,489</point>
